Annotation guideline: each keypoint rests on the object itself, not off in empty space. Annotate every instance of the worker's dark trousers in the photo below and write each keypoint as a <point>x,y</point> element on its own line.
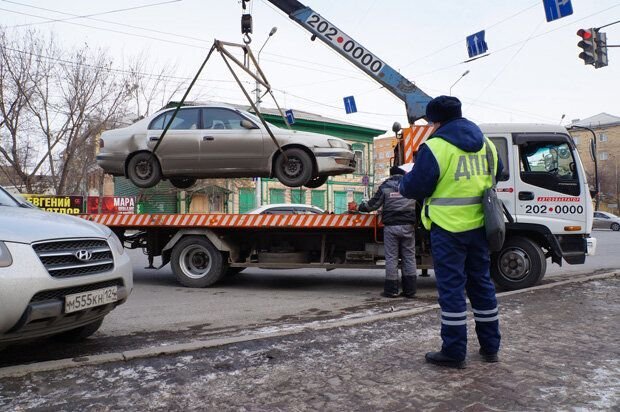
<point>461,262</point>
<point>399,240</point>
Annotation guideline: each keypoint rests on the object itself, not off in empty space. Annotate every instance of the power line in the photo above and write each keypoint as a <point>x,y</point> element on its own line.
<point>75,16</point>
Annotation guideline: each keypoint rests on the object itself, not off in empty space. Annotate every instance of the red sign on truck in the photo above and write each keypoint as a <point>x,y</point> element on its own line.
<point>112,204</point>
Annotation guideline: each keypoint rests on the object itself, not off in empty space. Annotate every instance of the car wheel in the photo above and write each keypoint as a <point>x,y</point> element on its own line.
<point>183,182</point>
<point>143,170</point>
<point>81,333</point>
<point>615,227</point>
<point>196,263</point>
<point>316,182</point>
<point>520,264</point>
<point>294,169</point>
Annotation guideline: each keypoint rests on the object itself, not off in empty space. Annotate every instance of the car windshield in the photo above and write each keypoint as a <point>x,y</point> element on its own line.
<point>7,200</point>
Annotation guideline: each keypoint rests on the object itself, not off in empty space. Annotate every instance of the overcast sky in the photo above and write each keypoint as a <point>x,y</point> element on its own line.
<point>533,73</point>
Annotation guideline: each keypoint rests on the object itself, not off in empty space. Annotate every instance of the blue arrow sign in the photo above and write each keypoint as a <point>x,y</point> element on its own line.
<point>556,9</point>
<point>476,44</point>
<point>290,117</point>
<point>349,104</point>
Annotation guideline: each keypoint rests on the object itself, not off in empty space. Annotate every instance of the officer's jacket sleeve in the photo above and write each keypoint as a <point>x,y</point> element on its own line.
<point>421,181</point>
<point>375,203</point>
<point>500,168</point>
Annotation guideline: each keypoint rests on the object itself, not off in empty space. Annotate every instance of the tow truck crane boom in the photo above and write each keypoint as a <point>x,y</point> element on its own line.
<point>414,98</point>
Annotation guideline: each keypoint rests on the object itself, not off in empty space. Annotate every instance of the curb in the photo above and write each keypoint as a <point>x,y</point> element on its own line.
<point>47,366</point>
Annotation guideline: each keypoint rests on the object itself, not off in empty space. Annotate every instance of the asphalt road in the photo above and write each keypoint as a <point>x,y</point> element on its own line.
<point>161,312</point>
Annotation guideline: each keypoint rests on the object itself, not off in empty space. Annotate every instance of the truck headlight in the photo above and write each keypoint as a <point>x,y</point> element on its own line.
<point>116,243</point>
<point>338,143</point>
<point>5,256</point>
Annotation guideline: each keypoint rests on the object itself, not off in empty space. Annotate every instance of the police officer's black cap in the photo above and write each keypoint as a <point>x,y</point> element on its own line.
<point>443,108</point>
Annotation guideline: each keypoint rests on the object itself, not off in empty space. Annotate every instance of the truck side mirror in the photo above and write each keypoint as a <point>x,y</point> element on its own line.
<point>396,127</point>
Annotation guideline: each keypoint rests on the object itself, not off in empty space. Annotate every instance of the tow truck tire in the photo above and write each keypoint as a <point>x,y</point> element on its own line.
<point>81,333</point>
<point>615,227</point>
<point>143,170</point>
<point>294,169</point>
<point>183,182</point>
<point>196,263</point>
<point>520,264</point>
<point>316,182</point>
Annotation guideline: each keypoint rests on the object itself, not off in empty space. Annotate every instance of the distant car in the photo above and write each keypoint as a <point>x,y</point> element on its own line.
<point>59,275</point>
<point>216,141</point>
<point>287,209</point>
<point>606,220</point>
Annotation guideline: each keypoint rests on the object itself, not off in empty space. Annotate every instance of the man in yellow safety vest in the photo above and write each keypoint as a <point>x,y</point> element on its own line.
<point>450,175</point>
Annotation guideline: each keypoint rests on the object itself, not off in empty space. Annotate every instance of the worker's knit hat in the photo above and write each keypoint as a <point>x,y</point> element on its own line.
<point>443,108</point>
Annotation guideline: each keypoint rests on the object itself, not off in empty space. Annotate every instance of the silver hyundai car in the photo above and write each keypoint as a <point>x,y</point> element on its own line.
<point>216,141</point>
<point>59,275</point>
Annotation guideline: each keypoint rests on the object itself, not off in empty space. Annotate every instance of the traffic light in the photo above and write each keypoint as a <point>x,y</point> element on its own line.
<point>588,45</point>
<point>601,50</point>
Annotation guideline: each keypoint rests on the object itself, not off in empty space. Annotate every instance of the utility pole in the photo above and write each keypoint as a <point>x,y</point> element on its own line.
<point>259,182</point>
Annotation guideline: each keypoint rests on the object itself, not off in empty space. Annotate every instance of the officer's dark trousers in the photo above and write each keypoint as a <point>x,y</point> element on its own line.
<point>461,263</point>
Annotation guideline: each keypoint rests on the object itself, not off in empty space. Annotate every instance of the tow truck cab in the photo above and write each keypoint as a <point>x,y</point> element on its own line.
<point>545,189</point>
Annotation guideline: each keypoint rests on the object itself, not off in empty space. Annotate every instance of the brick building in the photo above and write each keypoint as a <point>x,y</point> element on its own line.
<point>383,154</point>
<point>607,130</point>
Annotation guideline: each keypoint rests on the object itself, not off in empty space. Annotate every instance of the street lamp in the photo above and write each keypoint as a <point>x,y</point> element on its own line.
<point>458,80</point>
<point>258,193</point>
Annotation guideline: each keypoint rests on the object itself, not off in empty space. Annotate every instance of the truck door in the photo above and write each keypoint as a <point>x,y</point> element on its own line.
<point>506,184</point>
<point>549,186</point>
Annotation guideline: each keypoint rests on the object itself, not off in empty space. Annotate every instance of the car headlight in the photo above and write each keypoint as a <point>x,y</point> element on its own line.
<point>338,143</point>
<point>116,243</point>
<point>5,256</point>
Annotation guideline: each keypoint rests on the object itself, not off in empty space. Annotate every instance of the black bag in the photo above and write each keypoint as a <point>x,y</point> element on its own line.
<point>493,209</point>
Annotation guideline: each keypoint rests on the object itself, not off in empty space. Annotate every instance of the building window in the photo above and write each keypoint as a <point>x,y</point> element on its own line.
<point>602,137</point>
<point>603,155</point>
<point>359,162</point>
<point>381,156</point>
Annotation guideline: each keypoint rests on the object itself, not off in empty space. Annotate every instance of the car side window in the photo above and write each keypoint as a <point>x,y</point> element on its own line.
<point>186,119</point>
<point>221,119</point>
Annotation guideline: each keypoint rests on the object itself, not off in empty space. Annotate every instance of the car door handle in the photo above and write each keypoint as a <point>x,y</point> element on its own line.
<point>154,139</point>
<point>208,138</point>
<point>526,195</point>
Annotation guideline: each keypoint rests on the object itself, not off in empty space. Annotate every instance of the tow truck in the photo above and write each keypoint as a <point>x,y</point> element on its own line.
<point>543,186</point>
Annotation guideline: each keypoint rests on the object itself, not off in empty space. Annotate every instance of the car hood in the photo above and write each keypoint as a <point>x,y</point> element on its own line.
<point>24,225</point>
<point>307,138</point>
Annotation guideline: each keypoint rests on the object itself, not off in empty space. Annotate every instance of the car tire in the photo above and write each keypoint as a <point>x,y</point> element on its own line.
<point>316,182</point>
<point>81,333</point>
<point>294,169</point>
<point>196,263</point>
<point>143,170</point>
<point>615,227</point>
<point>520,264</point>
<point>183,182</point>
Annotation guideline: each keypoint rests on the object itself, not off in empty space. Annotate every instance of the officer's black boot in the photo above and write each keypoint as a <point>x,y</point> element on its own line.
<point>409,286</point>
<point>390,288</point>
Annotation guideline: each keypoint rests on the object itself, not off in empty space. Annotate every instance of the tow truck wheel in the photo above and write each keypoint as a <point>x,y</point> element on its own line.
<point>143,170</point>
<point>293,168</point>
<point>183,182</point>
<point>520,264</point>
<point>196,263</point>
<point>316,182</point>
<point>615,227</point>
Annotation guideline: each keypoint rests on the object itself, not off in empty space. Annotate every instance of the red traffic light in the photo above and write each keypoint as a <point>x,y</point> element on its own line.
<point>584,34</point>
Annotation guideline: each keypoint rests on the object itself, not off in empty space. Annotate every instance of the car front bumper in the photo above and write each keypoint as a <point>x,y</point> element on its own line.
<point>112,163</point>
<point>334,162</point>
<point>32,301</point>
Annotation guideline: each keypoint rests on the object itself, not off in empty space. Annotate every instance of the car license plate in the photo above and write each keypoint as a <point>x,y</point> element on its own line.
<point>90,299</point>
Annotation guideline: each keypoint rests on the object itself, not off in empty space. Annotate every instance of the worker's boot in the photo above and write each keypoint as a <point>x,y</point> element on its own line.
<point>441,359</point>
<point>409,286</point>
<point>390,288</point>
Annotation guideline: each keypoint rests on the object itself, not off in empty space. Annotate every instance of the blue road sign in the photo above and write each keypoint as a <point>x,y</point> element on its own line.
<point>349,104</point>
<point>476,44</point>
<point>556,9</point>
<point>290,117</point>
